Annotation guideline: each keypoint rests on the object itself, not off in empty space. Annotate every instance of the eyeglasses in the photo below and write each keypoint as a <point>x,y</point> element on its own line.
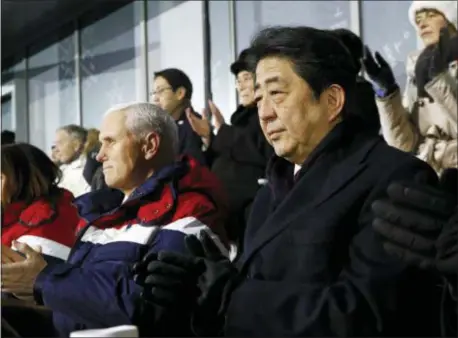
<point>243,80</point>
<point>159,91</point>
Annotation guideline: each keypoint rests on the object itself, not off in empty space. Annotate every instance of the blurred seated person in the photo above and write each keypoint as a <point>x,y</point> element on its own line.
<point>8,137</point>
<point>172,91</point>
<point>93,170</point>
<point>152,202</point>
<point>35,211</point>
<point>69,143</point>
<point>53,156</point>
<point>239,151</point>
<point>312,264</point>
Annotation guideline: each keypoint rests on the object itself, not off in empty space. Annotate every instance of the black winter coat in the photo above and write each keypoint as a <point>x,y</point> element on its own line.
<point>240,154</point>
<point>189,142</point>
<point>312,263</point>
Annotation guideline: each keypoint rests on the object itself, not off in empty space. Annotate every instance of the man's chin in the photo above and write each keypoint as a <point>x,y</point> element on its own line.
<point>280,151</point>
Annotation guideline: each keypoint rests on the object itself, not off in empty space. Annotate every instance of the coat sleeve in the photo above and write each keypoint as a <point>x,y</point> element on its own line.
<point>395,116</point>
<point>104,295</point>
<point>358,302</point>
<point>249,147</point>
<point>224,139</point>
<point>192,145</point>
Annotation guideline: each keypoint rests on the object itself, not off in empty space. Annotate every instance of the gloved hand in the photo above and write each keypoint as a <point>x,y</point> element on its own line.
<point>419,224</point>
<point>379,71</point>
<point>167,277</point>
<point>169,293</point>
<point>215,284</point>
<point>170,279</point>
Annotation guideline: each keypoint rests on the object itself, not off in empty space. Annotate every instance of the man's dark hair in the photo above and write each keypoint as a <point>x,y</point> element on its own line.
<point>243,63</point>
<point>8,137</point>
<point>353,43</point>
<point>318,56</point>
<point>176,79</point>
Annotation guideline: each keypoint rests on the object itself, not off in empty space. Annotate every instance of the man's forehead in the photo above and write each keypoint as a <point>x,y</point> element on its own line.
<point>160,81</point>
<point>62,134</point>
<point>112,124</point>
<point>272,70</point>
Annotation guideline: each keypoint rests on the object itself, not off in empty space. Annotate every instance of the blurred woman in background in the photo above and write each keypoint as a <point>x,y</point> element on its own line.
<point>93,171</point>
<point>423,120</point>
<point>34,210</point>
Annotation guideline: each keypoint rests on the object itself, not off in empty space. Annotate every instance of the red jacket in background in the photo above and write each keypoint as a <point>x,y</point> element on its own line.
<point>51,225</point>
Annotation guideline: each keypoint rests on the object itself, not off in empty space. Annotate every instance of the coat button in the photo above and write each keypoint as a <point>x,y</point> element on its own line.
<point>168,206</point>
<point>156,211</point>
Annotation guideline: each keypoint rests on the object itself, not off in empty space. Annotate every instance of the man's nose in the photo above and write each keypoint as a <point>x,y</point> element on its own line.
<point>156,99</point>
<point>100,157</point>
<point>265,110</point>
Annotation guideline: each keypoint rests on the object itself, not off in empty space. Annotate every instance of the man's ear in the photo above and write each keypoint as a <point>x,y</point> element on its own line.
<point>151,145</point>
<point>77,145</point>
<point>335,101</point>
<point>180,93</point>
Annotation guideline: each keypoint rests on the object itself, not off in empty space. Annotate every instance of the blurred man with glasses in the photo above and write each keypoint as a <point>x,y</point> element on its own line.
<point>172,91</point>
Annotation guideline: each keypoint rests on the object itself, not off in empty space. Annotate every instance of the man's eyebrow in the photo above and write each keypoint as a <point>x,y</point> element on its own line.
<point>270,80</point>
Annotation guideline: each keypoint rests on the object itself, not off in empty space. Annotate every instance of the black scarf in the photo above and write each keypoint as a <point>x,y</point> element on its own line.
<point>424,67</point>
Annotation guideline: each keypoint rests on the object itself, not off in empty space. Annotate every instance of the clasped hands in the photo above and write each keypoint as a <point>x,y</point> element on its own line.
<point>19,271</point>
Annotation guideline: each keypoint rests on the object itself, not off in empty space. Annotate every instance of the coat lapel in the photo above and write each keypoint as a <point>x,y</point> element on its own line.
<point>340,176</point>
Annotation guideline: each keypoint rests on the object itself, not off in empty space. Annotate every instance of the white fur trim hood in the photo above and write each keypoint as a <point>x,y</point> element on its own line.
<point>448,8</point>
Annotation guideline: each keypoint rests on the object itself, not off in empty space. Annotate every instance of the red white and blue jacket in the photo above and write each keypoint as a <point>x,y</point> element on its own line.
<point>47,222</point>
<point>95,287</point>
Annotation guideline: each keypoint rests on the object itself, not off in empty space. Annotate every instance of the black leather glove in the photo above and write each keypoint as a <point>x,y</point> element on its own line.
<point>418,226</point>
<point>167,282</point>
<point>169,293</point>
<point>170,279</point>
<point>215,284</point>
<point>380,72</point>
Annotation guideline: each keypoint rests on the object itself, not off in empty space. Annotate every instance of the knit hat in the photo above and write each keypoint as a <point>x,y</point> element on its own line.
<point>448,8</point>
<point>241,64</point>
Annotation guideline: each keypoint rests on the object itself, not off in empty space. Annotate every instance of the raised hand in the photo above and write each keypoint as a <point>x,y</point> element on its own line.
<point>218,119</point>
<point>201,126</point>
<point>379,71</point>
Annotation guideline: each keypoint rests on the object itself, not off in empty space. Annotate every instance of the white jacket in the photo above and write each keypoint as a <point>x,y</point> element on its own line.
<point>72,177</point>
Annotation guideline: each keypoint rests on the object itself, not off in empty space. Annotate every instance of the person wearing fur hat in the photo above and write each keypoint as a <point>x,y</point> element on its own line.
<point>424,120</point>
<point>240,151</point>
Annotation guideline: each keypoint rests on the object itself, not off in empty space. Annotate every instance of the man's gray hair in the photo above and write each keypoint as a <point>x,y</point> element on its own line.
<point>143,118</point>
<point>76,132</point>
